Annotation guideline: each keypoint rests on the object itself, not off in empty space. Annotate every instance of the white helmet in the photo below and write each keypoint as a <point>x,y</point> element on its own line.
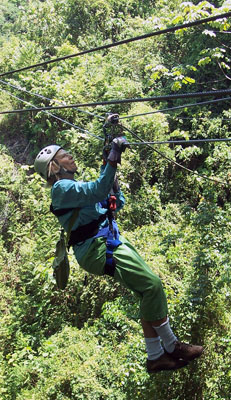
<point>43,159</point>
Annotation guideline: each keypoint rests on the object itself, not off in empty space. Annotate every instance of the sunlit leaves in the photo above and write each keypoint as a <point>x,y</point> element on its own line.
<point>204,61</point>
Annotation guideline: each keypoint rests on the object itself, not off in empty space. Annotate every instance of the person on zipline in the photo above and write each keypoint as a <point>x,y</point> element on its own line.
<point>100,249</point>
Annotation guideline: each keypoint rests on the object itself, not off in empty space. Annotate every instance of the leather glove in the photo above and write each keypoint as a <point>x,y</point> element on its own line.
<point>118,145</point>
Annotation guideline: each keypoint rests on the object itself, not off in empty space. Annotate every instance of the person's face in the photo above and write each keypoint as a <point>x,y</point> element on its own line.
<point>66,160</point>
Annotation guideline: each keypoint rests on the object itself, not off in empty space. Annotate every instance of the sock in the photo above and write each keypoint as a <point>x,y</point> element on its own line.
<point>167,336</point>
<point>154,348</point>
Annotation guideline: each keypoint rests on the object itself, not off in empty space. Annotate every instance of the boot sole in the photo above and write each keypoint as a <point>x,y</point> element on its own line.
<point>188,359</point>
<point>167,369</point>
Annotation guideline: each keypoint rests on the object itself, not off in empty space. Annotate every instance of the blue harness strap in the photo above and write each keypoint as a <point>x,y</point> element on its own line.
<point>111,232</point>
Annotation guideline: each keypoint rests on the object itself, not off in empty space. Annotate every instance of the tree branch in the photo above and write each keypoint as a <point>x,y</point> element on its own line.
<point>227,77</point>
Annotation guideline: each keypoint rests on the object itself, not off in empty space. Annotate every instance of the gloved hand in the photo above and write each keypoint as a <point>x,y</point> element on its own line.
<point>116,186</point>
<point>118,145</point>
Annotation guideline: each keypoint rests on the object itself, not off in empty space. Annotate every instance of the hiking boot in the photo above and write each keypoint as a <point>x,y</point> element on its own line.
<point>186,352</point>
<point>164,363</point>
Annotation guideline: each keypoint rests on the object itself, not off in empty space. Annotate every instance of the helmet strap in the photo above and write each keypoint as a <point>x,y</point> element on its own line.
<point>65,171</point>
<point>61,170</point>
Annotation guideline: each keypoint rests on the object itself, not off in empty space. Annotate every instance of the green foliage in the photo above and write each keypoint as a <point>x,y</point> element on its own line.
<point>9,11</point>
<point>107,355</point>
<point>86,342</point>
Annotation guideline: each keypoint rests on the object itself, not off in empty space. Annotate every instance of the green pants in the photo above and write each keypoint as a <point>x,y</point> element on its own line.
<point>133,273</point>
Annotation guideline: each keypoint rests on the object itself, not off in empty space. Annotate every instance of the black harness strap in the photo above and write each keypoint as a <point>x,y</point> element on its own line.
<point>109,269</point>
<point>61,211</point>
<point>85,232</point>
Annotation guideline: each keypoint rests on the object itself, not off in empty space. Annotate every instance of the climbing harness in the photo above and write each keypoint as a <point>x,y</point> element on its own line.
<point>111,232</point>
<point>84,232</point>
<point>112,129</point>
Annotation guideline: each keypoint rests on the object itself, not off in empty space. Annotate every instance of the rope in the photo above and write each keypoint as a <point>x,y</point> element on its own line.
<point>54,116</point>
<point>47,98</point>
<point>125,101</point>
<point>174,162</point>
<point>107,46</point>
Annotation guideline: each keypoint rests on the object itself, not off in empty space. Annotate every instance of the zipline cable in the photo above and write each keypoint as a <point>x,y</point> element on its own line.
<point>55,116</point>
<point>142,141</point>
<point>131,144</point>
<point>47,98</point>
<point>221,32</point>
<point>199,118</point>
<point>177,107</point>
<point>127,116</point>
<point>174,162</point>
<point>129,40</point>
<point>181,141</point>
<point>126,101</point>
<point>95,115</point>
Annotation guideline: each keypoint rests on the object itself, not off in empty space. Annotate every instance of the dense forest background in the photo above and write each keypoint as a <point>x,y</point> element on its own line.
<point>86,342</point>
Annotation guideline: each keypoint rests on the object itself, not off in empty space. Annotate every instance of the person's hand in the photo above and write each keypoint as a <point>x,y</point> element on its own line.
<point>118,146</point>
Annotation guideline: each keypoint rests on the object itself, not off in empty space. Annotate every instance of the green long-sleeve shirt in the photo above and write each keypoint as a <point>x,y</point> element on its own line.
<point>87,196</point>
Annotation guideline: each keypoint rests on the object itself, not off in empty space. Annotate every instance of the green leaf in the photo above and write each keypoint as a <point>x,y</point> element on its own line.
<point>187,79</point>
<point>176,86</point>
<point>204,61</point>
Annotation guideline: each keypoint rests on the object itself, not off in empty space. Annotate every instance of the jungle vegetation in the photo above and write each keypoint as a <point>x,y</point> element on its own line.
<point>86,343</point>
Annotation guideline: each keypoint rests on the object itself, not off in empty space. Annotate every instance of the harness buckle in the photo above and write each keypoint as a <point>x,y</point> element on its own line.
<point>112,203</point>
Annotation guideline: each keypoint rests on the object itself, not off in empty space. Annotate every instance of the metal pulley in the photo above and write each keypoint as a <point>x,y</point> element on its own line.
<point>112,127</point>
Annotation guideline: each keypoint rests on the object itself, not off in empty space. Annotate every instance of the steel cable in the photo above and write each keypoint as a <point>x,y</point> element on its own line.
<point>125,41</point>
<point>181,141</point>
<point>126,101</point>
<point>177,107</point>
<point>47,98</point>
<point>174,162</point>
<point>55,116</point>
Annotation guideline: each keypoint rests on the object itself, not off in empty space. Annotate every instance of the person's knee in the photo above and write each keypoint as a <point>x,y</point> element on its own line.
<point>156,286</point>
